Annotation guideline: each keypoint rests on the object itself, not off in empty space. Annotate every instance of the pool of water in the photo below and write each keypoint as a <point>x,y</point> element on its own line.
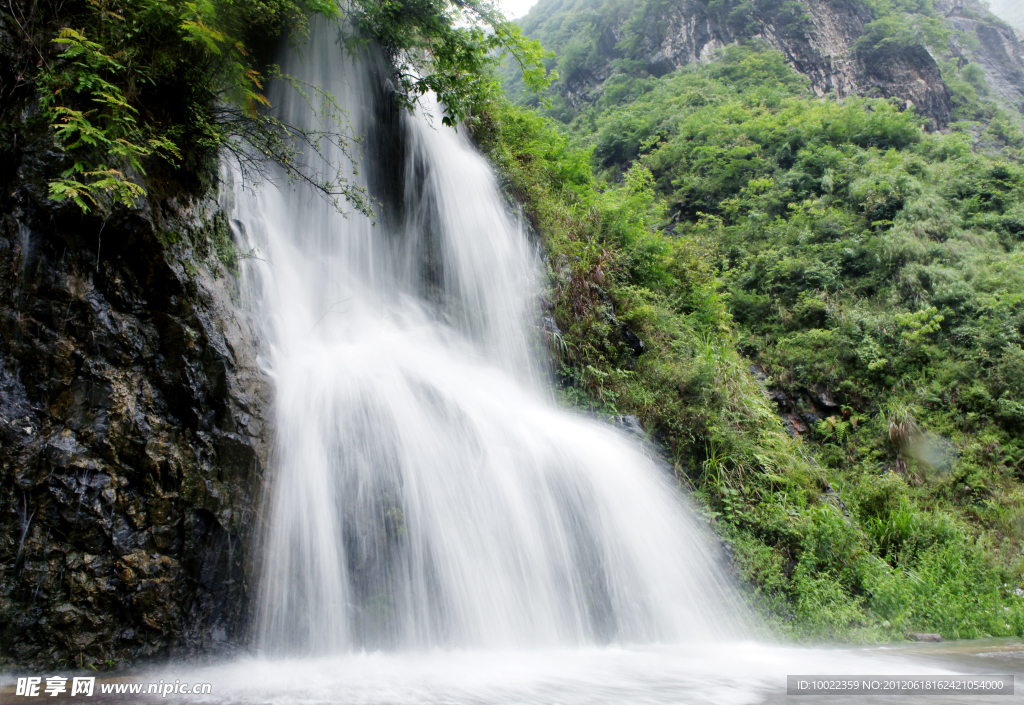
<point>746,673</point>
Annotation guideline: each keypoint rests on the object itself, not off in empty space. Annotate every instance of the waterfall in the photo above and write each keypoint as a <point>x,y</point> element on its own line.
<point>427,491</point>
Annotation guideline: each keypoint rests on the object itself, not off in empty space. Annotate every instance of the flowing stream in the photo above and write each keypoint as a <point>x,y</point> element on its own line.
<point>438,529</point>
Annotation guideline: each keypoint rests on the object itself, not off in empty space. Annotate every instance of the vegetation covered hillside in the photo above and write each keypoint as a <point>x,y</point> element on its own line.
<point>815,306</point>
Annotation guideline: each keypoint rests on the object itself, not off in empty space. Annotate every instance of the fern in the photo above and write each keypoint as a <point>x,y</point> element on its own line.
<point>108,126</point>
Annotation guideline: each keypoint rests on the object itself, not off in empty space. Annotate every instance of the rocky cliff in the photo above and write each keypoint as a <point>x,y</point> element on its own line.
<point>132,443</point>
<point>819,43</point>
<point>819,38</point>
<point>982,39</point>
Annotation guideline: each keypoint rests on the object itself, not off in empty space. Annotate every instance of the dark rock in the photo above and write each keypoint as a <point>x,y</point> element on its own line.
<point>631,425</point>
<point>794,424</point>
<point>810,413</point>
<point>826,398</point>
<point>131,434</point>
<point>920,636</point>
<point>550,326</point>
<point>799,408</point>
<point>632,341</point>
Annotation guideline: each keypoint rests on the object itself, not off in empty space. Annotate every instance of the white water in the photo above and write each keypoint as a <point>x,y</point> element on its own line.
<point>427,491</point>
<point>741,673</point>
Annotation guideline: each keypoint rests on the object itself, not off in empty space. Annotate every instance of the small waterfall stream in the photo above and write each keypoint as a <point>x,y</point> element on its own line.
<point>428,492</point>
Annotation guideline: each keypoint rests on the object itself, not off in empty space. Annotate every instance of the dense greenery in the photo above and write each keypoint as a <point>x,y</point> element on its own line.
<point>726,216</point>
<point>128,86</point>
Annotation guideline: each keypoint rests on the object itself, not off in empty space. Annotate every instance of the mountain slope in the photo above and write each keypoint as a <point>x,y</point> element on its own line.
<point>844,47</point>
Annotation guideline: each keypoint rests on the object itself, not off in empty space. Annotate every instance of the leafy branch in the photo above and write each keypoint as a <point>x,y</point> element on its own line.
<point>94,94</point>
<point>255,140</point>
<point>449,49</point>
<point>108,126</point>
<point>108,81</point>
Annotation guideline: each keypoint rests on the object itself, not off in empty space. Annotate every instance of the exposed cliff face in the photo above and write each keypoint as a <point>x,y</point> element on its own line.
<point>817,37</point>
<point>820,45</point>
<point>132,445</point>
<point>994,46</point>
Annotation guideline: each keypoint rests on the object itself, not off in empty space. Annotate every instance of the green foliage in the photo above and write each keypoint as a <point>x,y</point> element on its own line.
<point>839,247</point>
<point>223,247</point>
<point>581,34</point>
<point>607,51</point>
<point>133,85</point>
<point>448,48</point>
<point>895,33</point>
<point>108,126</point>
<point>130,86</point>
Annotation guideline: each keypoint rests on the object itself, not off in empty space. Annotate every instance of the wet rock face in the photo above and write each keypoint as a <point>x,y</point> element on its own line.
<point>132,441</point>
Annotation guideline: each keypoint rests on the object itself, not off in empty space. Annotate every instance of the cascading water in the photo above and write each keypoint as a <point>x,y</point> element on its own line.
<point>427,490</point>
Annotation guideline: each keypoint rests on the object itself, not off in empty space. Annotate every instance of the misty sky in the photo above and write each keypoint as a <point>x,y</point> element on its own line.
<point>516,8</point>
